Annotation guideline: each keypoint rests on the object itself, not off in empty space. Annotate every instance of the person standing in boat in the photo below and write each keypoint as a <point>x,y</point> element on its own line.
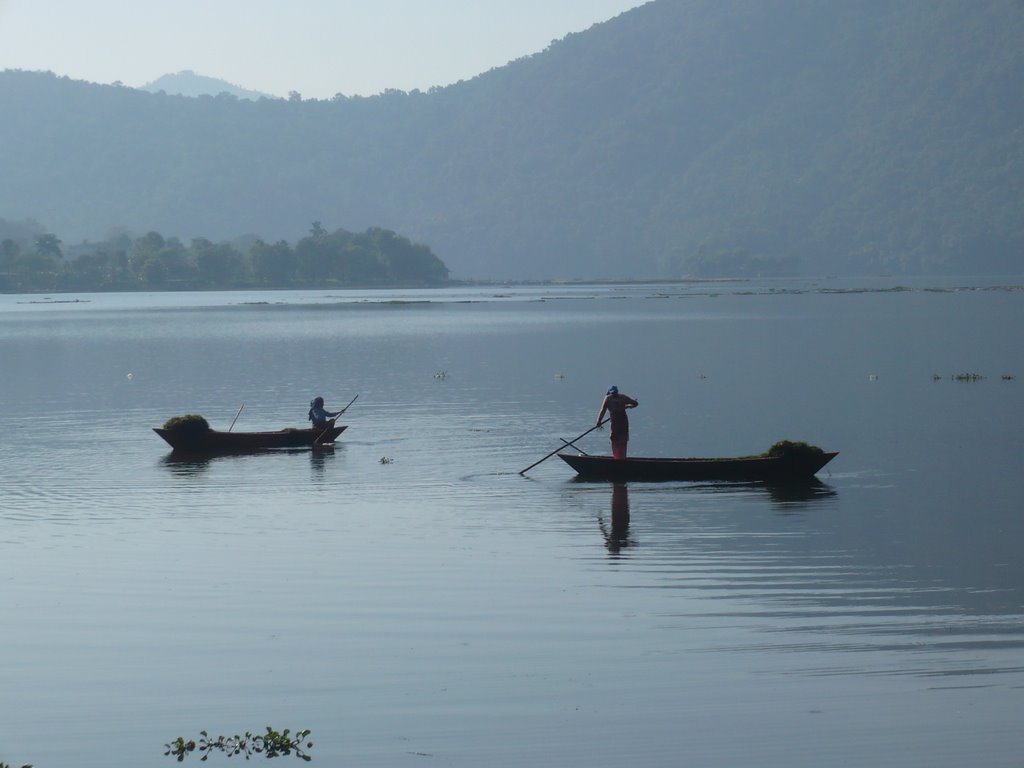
<point>318,414</point>
<point>615,405</point>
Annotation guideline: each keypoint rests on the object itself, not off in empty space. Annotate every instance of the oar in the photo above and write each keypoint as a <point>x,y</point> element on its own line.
<point>524,471</point>
<point>236,417</point>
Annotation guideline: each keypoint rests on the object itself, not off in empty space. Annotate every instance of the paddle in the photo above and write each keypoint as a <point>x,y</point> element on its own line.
<point>567,442</point>
<point>236,417</point>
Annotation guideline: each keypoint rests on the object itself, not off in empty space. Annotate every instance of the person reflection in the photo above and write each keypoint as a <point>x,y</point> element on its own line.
<point>616,537</point>
<point>318,459</point>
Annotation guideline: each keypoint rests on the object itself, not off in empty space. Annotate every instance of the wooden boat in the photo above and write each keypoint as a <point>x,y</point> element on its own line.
<point>210,441</point>
<point>768,468</point>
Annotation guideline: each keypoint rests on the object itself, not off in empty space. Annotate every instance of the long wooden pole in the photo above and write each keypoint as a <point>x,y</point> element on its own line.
<point>346,407</point>
<point>524,471</point>
<point>236,417</point>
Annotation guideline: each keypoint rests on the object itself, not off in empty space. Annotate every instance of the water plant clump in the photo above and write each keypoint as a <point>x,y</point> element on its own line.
<point>789,449</point>
<point>270,744</point>
<point>190,423</point>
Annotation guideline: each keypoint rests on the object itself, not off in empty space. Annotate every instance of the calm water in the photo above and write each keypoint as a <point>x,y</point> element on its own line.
<point>415,601</point>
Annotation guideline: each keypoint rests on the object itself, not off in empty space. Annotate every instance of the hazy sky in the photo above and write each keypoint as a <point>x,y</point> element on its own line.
<point>316,47</point>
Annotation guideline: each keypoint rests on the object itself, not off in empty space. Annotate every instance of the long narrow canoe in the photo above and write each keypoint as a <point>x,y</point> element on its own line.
<point>211,441</point>
<point>777,468</point>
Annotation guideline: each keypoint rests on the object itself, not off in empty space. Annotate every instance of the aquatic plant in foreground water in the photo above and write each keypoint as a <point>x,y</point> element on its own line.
<point>269,744</point>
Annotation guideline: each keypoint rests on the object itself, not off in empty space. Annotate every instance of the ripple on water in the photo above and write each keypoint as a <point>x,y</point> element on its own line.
<point>788,588</point>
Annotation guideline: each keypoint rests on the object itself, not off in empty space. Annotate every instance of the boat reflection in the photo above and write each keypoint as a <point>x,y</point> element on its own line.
<point>786,497</point>
<point>185,465</point>
<point>799,494</point>
<point>789,493</point>
<point>195,464</point>
<point>616,533</point>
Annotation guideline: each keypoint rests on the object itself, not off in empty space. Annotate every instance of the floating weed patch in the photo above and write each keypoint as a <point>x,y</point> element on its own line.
<point>967,376</point>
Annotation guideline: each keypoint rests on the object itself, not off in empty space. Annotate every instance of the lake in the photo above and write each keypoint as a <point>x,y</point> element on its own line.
<point>414,600</point>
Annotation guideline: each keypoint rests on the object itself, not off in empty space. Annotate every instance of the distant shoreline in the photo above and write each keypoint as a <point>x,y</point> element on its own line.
<point>899,284</point>
<point>382,287</point>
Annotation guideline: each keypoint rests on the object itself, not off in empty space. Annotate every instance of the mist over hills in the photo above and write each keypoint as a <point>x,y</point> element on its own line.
<point>682,137</point>
<point>188,83</point>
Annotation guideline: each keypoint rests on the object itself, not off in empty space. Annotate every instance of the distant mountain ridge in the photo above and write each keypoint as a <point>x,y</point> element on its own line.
<point>188,83</point>
<point>683,137</point>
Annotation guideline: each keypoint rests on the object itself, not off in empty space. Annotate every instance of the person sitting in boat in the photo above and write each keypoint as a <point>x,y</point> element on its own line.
<point>319,415</point>
<point>615,405</point>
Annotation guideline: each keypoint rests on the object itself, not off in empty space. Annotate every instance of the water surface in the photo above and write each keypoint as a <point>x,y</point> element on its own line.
<point>412,598</point>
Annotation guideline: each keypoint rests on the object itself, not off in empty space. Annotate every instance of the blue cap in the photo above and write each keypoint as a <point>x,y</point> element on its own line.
<point>613,390</point>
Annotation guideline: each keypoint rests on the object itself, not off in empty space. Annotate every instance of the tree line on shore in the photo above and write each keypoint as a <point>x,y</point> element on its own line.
<point>32,259</point>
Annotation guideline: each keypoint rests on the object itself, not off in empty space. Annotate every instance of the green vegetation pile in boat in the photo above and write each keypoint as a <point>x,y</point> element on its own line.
<point>192,434</point>
<point>784,461</point>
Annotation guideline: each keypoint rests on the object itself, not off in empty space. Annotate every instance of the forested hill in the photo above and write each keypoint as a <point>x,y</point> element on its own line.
<point>683,137</point>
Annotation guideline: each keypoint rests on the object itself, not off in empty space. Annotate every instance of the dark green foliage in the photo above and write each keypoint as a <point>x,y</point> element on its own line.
<point>269,744</point>
<point>191,423</point>
<point>377,257</point>
<point>788,449</point>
